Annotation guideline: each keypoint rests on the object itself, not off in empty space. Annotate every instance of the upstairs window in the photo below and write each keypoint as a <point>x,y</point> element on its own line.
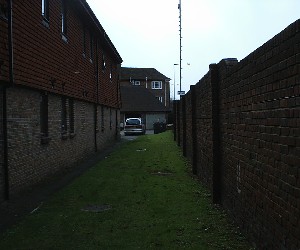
<point>45,9</point>
<point>136,83</point>
<point>3,11</point>
<point>64,19</point>
<point>111,73</point>
<point>157,85</point>
<point>103,62</point>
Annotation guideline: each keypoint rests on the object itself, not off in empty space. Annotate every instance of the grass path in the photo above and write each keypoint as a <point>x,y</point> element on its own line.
<point>151,199</point>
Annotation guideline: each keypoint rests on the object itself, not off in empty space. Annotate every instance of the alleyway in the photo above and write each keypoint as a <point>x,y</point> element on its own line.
<point>141,196</point>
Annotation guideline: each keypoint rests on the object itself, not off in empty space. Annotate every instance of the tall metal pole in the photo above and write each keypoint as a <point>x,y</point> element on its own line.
<point>174,79</point>
<point>180,45</point>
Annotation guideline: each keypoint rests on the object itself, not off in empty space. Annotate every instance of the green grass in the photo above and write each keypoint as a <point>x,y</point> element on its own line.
<point>150,210</point>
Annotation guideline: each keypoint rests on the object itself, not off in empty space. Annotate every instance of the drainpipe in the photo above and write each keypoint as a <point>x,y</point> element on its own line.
<point>11,79</point>
<point>165,93</point>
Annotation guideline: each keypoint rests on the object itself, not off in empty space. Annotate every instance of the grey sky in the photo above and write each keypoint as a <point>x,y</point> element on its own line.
<point>146,33</point>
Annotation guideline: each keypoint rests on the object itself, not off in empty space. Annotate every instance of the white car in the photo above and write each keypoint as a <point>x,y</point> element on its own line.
<point>134,126</point>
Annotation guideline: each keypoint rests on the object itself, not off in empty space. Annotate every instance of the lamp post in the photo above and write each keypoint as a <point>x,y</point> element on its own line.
<point>175,64</point>
<point>180,43</point>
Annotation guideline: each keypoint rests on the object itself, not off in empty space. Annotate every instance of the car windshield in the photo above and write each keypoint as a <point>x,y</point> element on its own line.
<point>133,122</point>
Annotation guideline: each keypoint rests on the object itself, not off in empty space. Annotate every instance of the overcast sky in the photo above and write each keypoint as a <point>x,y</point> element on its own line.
<point>146,33</point>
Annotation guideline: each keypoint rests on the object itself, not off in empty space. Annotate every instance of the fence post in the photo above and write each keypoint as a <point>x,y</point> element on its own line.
<point>217,171</point>
<point>194,129</point>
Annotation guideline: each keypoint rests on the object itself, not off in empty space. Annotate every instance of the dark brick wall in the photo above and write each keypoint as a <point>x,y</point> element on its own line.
<point>189,136</point>
<point>44,60</point>
<point>30,161</point>
<point>164,92</point>
<point>2,178</point>
<point>254,106</point>
<point>204,136</point>
<point>47,62</point>
<point>3,46</point>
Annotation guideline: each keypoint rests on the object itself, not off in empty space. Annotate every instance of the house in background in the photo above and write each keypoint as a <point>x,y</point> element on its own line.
<point>149,78</point>
<point>59,90</point>
<point>137,101</point>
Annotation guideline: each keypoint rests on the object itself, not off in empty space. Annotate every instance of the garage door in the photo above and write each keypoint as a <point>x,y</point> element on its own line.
<point>152,118</point>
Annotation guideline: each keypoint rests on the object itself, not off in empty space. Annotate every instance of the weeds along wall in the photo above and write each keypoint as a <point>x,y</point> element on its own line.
<point>240,128</point>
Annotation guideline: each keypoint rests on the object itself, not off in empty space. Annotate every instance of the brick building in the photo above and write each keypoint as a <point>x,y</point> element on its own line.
<point>150,78</point>
<point>138,101</point>
<point>59,89</point>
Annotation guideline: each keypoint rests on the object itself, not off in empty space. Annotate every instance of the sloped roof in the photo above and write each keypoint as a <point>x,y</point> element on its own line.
<point>104,37</point>
<point>140,99</point>
<point>141,74</point>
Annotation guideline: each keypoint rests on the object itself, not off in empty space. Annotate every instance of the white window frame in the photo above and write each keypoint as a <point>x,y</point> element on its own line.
<point>137,83</point>
<point>64,26</point>
<point>156,84</point>
<point>45,9</point>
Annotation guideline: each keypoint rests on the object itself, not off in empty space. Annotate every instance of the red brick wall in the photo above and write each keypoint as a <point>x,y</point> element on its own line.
<point>257,173</point>
<point>2,171</point>
<point>3,46</point>
<point>260,120</point>
<point>164,92</point>
<point>203,125</point>
<point>188,122</point>
<point>45,61</point>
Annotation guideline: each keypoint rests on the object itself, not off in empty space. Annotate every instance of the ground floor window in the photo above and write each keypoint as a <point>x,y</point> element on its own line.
<point>102,118</point>
<point>44,117</point>
<point>71,116</point>
<point>64,125</point>
<point>110,120</point>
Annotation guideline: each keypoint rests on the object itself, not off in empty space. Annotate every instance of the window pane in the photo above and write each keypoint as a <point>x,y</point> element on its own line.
<point>102,119</point>
<point>103,62</point>
<point>45,9</point>
<point>64,126</point>
<point>71,115</point>
<point>156,85</point>
<point>63,17</point>
<point>44,115</point>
